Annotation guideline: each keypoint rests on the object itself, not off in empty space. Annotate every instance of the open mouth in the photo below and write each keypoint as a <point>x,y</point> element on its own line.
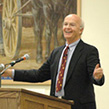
<point>68,31</point>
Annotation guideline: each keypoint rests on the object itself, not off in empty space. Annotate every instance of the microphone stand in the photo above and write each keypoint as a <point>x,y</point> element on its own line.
<point>3,72</point>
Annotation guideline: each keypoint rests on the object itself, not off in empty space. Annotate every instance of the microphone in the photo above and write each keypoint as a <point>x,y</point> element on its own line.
<point>25,57</point>
<point>1,67</point>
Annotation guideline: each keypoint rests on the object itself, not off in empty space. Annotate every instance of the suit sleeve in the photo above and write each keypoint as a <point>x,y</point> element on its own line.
<point>34,75</point>
<point>92,60</point>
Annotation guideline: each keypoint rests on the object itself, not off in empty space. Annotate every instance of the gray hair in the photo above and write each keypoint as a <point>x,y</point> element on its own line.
<point>82,24</point>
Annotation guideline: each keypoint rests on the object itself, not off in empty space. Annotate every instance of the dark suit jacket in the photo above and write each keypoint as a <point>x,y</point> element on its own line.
<point>79,82</point>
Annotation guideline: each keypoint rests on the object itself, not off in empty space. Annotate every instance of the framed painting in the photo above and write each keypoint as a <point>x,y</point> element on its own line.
<point>36,29</point>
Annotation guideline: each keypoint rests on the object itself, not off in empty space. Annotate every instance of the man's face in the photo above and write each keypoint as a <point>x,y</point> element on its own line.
<point>71,28</point>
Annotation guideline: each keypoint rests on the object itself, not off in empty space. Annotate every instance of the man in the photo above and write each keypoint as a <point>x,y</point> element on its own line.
<point>81,70</point>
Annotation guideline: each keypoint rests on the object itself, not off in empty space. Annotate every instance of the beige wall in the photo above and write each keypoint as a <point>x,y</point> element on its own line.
<point>96,17</point>
<point>95,14</point>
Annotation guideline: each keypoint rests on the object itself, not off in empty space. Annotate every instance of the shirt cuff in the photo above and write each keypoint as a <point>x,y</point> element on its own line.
<point>13,73</point>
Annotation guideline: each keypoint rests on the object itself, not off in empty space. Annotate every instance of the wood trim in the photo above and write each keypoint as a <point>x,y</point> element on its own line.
<point>10,82</point>
<point>79,7</point>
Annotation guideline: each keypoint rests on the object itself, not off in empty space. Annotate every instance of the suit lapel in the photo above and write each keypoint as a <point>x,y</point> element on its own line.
<point>76,55</point>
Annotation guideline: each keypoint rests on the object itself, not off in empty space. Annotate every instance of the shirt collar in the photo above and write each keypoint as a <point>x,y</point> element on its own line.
<point>73,44</point>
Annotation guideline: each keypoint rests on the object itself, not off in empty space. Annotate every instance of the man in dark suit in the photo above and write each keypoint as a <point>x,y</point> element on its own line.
<point>81,71</point>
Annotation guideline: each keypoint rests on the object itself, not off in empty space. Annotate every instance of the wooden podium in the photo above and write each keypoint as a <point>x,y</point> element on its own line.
<point>24,99</point>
